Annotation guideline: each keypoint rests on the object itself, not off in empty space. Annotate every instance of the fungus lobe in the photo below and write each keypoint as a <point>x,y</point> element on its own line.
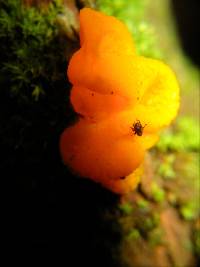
<point>112,89</point>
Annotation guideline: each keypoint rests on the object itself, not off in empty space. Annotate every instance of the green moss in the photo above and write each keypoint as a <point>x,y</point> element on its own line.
<point>132,13</point>
<point>152,221</point>
<point>185,136</point>
<point>155,237</point>
<point>189,211</point>
<point>33,84</point>
<point>32,55</point>
<point>134,235</point>
<point>157,192</point>
<point>126,208</point>
<point>149,222</point>
<point>37,92</point>
<point>143,204</point>
<point>166,169</point>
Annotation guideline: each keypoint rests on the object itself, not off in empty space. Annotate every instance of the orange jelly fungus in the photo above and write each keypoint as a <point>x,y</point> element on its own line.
<point>113,88</point>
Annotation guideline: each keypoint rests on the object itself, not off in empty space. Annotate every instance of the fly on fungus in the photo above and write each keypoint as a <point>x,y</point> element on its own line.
<point>138,128</point>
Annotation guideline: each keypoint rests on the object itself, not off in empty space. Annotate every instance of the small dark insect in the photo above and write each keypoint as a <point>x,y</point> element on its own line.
<point>122,177</point>
<point>138,128</point>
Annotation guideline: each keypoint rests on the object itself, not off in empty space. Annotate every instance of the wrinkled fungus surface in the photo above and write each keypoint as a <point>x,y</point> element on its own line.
<point>113,88</point>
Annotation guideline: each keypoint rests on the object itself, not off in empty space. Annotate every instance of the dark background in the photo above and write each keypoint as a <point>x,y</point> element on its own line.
<point>187,15</point>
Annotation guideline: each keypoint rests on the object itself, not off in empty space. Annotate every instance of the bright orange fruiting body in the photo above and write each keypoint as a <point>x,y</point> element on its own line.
<point>112,89</point>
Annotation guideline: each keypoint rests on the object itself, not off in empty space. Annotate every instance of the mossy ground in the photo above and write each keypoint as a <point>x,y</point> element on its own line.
<point>161,219</point>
